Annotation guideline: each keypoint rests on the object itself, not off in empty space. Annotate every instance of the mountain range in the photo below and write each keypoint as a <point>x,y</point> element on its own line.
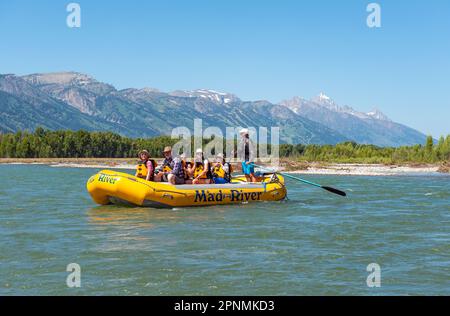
<point>71,100</point>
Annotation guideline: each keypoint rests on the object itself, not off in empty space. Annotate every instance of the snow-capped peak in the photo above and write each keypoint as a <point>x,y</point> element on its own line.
<point>377,114</point>
<point>299,105</point>
<point>324,97</point>
<point>212,95</point>
<point>210,91</point>
<point>323,100</point>
<point>150,90</point>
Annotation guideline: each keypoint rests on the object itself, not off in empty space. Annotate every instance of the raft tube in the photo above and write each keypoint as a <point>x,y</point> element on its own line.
<point>112,187</point>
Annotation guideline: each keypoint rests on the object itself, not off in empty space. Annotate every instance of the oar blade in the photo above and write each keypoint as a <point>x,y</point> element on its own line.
<point>335,191</point>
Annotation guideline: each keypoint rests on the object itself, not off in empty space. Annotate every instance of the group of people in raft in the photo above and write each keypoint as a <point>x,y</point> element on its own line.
<point>177,170</point>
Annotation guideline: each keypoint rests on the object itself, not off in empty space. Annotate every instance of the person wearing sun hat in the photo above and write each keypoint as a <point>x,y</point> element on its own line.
<point>146,167</point>
<point>161,175</point>
<point>167,153</point>
<point>246,153</point>
<point>172,168</point>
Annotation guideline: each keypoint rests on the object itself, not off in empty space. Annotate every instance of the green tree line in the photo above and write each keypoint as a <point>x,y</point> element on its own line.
<point>82,144</point>
<point>76,144</point>
<point>351,152</point>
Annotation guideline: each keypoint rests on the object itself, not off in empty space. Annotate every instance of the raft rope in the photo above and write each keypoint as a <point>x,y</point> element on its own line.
<point>275,179</point>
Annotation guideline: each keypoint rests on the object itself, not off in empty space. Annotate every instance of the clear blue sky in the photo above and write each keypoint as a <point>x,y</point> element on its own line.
<point>257,49</point>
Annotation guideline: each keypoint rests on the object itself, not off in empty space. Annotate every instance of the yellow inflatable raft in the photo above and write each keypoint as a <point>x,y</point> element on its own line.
<point>108,187</point>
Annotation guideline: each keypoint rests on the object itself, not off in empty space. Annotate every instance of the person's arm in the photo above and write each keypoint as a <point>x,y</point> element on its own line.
<point>189,170</point>
<point>251,151</point>
<point>205,169</point>
<point>161,168</point>
<point>177,167</point>
<point>246,150</point>
<point>149,171</point>
<point>241,150</point>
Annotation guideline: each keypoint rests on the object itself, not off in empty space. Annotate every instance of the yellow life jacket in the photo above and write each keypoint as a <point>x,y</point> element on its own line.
<point>199,169</point>
<point>142,169</point>
<point>223,171</point>
<point>166,168</point>
<point>218,171</point>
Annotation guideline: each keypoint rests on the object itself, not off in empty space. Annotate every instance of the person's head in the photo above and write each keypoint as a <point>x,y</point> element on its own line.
<point>199,155</point>
<point>144,155</point>
<point>167,152</point>
<point>244,133</point>
<point>220,158</point>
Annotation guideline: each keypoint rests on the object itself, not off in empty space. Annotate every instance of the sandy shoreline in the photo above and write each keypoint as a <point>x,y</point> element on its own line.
<point>369,170</point>
<point>310,168</point>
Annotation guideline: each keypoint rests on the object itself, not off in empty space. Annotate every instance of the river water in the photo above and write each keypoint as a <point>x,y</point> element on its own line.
<point>315,243</point>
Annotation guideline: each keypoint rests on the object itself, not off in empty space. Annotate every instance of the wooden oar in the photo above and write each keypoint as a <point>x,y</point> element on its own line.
<point>329,189</point>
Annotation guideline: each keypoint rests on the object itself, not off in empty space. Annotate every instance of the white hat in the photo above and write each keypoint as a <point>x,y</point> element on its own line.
<point>243,131</point>
<point>219,155</point>
<point>199,151</point>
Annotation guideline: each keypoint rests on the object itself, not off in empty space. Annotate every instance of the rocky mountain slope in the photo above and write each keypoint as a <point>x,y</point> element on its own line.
<point>70,100</point>
<point>369,128</point>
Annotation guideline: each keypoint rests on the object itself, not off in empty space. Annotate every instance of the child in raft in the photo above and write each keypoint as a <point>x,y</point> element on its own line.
<point>200,170</point>
<point>146,167</point>
<point>221,170</point>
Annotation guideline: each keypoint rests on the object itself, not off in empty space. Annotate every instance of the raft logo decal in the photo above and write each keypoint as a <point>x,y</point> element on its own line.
<point>107,179</point>
<point>235,196</point>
